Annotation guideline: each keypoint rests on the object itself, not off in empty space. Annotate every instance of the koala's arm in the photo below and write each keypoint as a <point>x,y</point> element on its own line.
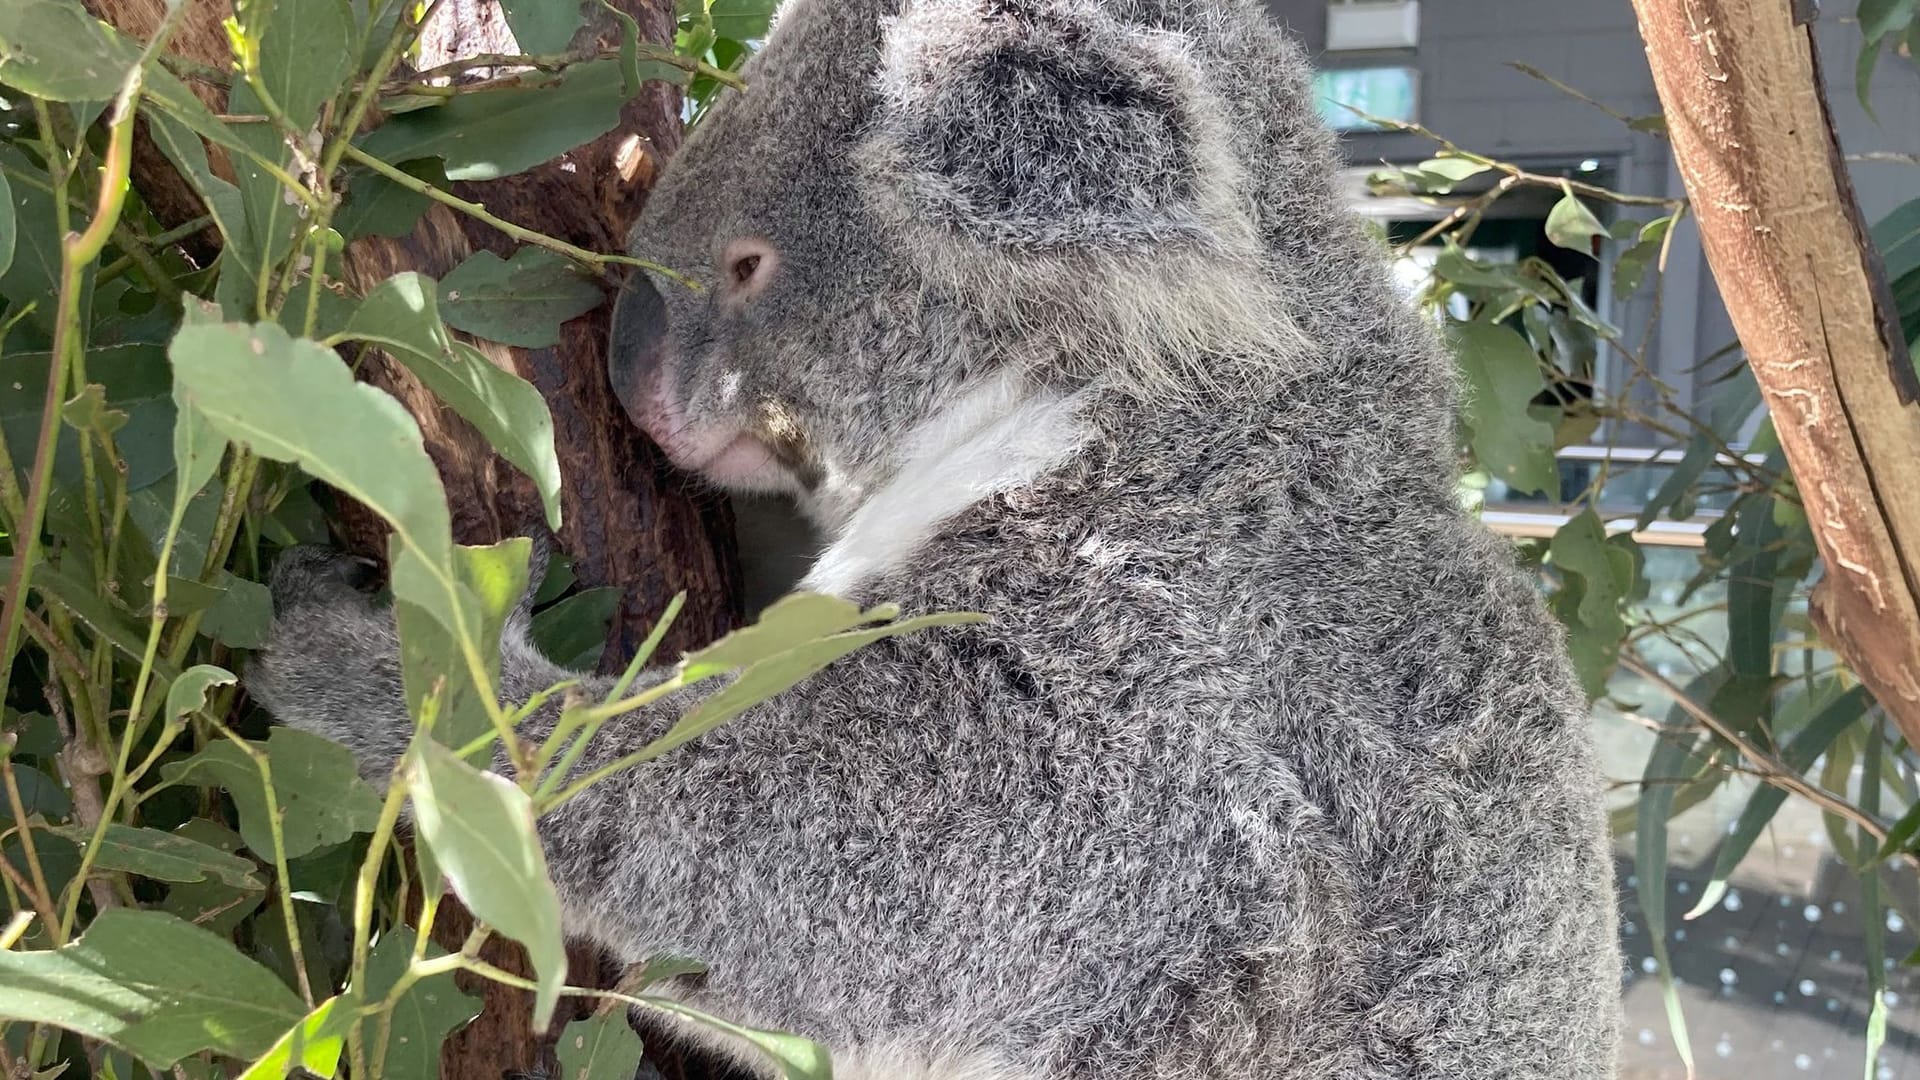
<point>674,827</point>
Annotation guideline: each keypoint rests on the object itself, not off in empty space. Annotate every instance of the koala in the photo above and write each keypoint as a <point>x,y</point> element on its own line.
<point>1268,762</point>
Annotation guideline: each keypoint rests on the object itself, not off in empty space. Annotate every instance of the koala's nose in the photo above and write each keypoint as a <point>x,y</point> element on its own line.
<point>638,344</point>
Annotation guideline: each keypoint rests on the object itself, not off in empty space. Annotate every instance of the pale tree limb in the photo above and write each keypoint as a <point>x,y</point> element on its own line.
<point>1740,83</point>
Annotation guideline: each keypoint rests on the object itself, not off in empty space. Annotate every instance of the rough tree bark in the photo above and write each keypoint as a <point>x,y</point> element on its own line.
<point>629,519</point>
<point>1740,82</point>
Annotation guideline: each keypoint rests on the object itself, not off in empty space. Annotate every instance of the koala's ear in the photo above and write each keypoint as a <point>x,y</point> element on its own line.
<point>1049,127</point>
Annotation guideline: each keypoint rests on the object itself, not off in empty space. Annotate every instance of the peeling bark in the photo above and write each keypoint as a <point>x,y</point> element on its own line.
<point>1740,82</point>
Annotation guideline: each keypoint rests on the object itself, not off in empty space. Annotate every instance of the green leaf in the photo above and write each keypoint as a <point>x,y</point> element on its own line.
<point>495,133</point>
<point>162,856</point>
<point>55,50</point>
<point>1879,18</point>
<point>1571,225</point>
<point>7,229</point>
<point>521,301</point>
<point>212,903</point>
<point>788,622</point>
<point>601,1047</point>
<point>1799,755</point>
<point>1598,574</point>
<point>1873,916</point>
<point>1630,269</point>
<point>494,578</point>
<point>376,206</point>
<point>775,674</point>
<point>481,830</point>
<point>542,27</point>
<point>1675,754</point>
<point>152,985</point>
<point>272,220</point>
<point>297,402</point>
<point>306,55</point>
<point>741,20</point>
<point>134,381</point>
<point>1503,377</point>
<point>317,790</point>
<point>796,1058</point>
<point>401,315</point>
<point>573,632</point>
<point>314,1044</point>
<point>425,1015</point>
<point>34,274</point>
<point>189,692</point>
<point>88,413</point>
<point>242,617</point>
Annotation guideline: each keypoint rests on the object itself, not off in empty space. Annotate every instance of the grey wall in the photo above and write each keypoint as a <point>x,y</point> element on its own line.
<point>1470,95</point>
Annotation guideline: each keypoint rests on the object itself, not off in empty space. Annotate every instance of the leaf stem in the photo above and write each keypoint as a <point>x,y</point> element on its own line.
<point>524,235</point>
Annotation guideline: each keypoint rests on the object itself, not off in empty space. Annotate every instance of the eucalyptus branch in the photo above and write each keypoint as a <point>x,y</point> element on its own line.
<point>1520,175</point>
<point>1767,767</point>
<point>520,233</point>
<point>1534,72</point>
<point>556,62</point>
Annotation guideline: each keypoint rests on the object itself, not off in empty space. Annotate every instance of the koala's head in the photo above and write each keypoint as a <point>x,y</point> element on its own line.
<point>913,197</point>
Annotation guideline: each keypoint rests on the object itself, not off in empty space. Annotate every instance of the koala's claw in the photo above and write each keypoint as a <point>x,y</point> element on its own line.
<point>310,574</point>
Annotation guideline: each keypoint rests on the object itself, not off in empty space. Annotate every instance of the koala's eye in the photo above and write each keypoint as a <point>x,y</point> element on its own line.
<point>746,266</point>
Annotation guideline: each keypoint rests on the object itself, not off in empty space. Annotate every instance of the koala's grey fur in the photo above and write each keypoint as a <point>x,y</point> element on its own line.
<point>1268,765</point>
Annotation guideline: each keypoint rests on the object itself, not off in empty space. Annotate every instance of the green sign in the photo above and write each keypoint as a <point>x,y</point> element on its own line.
<point>1385,92</point>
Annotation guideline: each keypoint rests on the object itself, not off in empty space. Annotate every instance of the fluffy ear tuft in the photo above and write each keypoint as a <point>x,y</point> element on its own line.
<point>1073,176</point>
<point>1046,125</point>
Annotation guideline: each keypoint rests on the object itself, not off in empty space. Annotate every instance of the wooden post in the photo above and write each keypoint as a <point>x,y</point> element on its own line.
<point>1740,83</point>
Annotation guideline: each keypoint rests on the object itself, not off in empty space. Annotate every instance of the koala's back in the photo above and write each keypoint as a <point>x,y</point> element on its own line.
<point>1237,783</point>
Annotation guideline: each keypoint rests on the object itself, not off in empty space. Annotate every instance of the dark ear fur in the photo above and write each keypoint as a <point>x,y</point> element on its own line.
<point>1047,126</point>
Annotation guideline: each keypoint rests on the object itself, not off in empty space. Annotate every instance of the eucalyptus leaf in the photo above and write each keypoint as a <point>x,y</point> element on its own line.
<point>306,54</point>
<point>542,27</point>
<point>54,49</point>
<point>1503,376</point>
<point>1571,225</point>
<point>188,693</point>
<point>162,856</point>
<point>480,828</point>
<point>318,792</point>
<point>494,578</point>
<point>573,632</point>
<point>314,1044</point>
<point>7,227</point>
<point>771,676</point>
<point>601,1047</point>
<point>430,1010</point>
<point>519,301</point>
<point>296,401</point>
<point>402,316</point>
<point>493,133</point>
<point>152,985</point>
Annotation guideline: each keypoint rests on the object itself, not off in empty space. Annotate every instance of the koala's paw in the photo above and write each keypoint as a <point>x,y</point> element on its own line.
<point>332,660</point>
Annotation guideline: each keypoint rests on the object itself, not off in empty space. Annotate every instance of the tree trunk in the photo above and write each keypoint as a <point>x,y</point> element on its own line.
<point>1740,82</point>
<point>629,519</point>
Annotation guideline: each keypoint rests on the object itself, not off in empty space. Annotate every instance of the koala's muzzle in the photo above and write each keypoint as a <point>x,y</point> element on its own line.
<point>638,346</point>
